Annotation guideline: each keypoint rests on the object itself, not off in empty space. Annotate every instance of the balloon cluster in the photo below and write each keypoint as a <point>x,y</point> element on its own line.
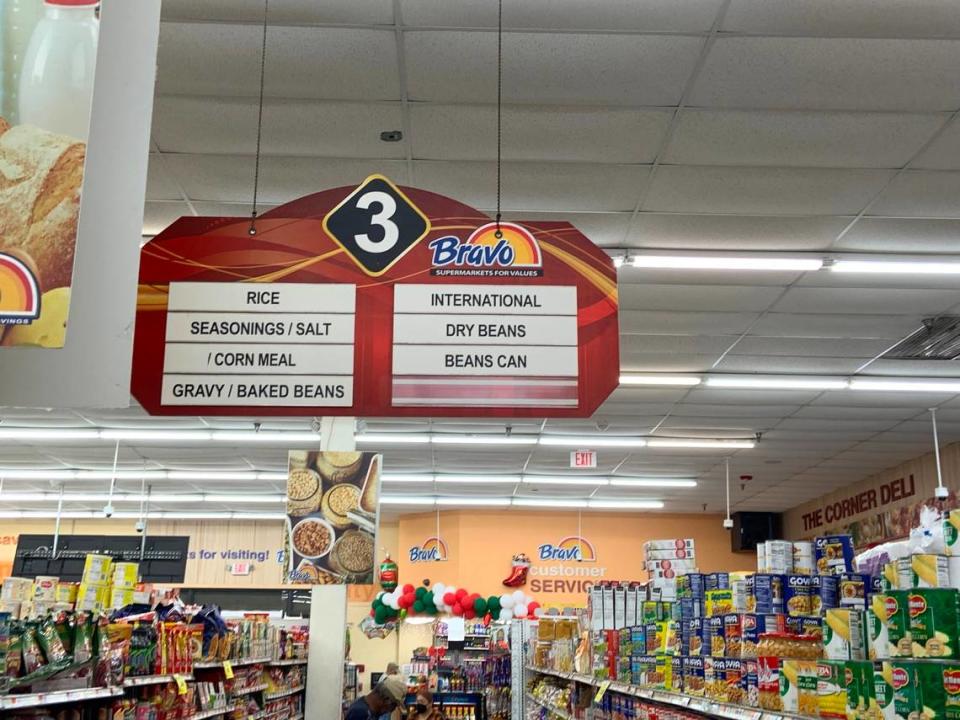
<point>439,598</point>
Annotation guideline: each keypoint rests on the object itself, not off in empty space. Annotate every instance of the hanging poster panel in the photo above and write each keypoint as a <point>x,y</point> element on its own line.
<point>375,301</point>
<point>332,516</point>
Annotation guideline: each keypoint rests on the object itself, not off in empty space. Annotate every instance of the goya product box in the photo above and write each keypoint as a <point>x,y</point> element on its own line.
<point>716,581</point>
<point>898,622</point>
<point>655,636</point>
<point>749,682</point>
<point>934,619</point>
<point>877,624</point>
<point>715,678</point>
<point>691,608</point>
<point>833,554</point>
<point>831,689</point>
<point>752,626</point>
<point>883,691</point>
<point>843,634</point>
<point>854,590</point>
<point>768,683</point>
<point>719,602</point>
<point>796,594</point>
<point>768,591</point>
<point>715,640</point>
<point>676,674</point>
<point>733,634</point>
<point>733,676</point>
<point>693,676</point>
<point>809,625</point>
<point>690,585</point>
<point>698,628</point>
<point>824,593</point>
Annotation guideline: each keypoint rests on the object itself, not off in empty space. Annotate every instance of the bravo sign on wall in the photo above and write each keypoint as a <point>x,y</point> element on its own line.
<point>378,301</point>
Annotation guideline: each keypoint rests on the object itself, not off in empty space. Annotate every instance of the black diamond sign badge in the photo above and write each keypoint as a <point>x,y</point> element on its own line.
<point>376,224</point>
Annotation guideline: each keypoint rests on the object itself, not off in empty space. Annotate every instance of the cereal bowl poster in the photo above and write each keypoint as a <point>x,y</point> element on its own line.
<point>332,514</point>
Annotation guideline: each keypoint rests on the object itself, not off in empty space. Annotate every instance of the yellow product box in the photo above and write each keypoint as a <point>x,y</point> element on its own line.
<point>798,686</point>
<point>45,588</point>
<point>930,571</point>
<point>844,634</point>
<point>97,570</point>
<point>890,577</point>
<point>120,597</point>
<point>951,532</point>
<point>66,592</point>
<point>16,589</point>
<point>10,606</point>
<point>92,598</point>
<point>125,574</point>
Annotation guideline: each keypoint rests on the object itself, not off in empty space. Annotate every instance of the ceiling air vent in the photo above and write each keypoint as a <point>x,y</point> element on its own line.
<point>938,339</point>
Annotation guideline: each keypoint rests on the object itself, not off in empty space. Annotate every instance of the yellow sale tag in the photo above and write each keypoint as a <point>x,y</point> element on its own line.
<point>228,669</point>
<point>601,691</point>
<point>181,684</point>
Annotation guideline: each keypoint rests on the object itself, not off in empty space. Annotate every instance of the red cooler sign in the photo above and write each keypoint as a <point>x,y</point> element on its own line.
<point>375,301</point>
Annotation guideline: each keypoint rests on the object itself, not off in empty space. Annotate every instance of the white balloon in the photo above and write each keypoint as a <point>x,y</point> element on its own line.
<point>538,612</point>
<point>520,610</point>
<point>518,597</point>
<point>381,594</point>
<point>527,599</point>
<point>438,590</point>
<point>507,601</point>
<point>506,614</point>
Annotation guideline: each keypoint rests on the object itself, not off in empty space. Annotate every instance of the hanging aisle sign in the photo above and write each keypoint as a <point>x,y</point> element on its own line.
<point>375,301</point>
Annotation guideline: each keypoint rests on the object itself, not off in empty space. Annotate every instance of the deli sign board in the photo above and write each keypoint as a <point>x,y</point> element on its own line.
<point>376,301</point>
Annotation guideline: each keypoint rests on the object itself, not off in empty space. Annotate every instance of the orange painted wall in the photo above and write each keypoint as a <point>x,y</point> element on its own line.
<point>480,546</point>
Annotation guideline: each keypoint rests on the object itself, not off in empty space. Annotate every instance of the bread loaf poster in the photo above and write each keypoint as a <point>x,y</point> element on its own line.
<point>332,517</point>
<point>48,57</point>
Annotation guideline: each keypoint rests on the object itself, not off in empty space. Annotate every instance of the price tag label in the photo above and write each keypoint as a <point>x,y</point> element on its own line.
<point>601,691</point>
<point>181,684</point>
<point>228,669</point>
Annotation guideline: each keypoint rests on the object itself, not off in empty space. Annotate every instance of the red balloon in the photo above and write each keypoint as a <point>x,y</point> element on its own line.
<point>449,598</point>
<point>373,612</point>
<point>457,609</point>
<point>408,588</point>
<point>533,606</point>
<point>461,593</point>
<point>470,613</point>
<point>486,620</point>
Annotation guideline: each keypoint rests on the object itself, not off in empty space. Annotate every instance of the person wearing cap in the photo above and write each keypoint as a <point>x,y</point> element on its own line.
<point>387,696</point>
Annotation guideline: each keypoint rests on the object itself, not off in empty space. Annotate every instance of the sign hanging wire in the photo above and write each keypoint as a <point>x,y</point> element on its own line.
<point>499,234</point>
<point>256,162</point>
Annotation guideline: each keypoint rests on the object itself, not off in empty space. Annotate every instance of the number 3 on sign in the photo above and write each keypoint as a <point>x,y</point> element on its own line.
<point>388,207</point>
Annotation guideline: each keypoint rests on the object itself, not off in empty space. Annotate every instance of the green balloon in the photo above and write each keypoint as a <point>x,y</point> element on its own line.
<point>380,615</point>
<point>420,592</point>
<point>428,598</point>
<point>418,606</point>
<point>493,605</point>
<point>480,605</point>
<point>432,610</point>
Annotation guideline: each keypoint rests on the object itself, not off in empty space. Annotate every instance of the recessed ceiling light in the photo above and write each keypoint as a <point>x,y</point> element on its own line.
<point>590,441</point>
<point>777,383</point>
<point>392,478</point>
<point>483,440</point>
<point>625,504</point>
<point>678,380</point>
<point>727,262</point>
<point>479,479</point>
<point>554,480</point>
<point>705,444</point>
<point>653,482</point>
<point>473,501</point>
<point>548,503</point>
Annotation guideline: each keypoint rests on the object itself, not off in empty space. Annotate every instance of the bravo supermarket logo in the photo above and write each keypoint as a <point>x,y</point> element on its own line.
<point>19,292</point>
<point>433,549</point>
<point>515,253</point>
<point>570,549</point>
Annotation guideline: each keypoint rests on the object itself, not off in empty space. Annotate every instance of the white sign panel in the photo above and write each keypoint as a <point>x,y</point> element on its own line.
<point>268,344</point>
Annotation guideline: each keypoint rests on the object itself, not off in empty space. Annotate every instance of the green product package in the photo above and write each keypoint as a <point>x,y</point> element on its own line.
<point>906,692</point>
<point>898,623</point>
<point>934,622</point>
<point>883,691</point>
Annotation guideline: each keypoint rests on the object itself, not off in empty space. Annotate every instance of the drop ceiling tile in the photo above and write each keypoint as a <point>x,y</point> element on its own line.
<point>818,411</point>
<point>750,398</point>
<point>721,298</point>
<point>787,364</point>
<point>943,153</point>
<point>921,193</point>
<point>548,68</point>
<point>303,128</point>
<point>632,361</point>
<point>915,368</point>
<point>649,16</point>
<point>294,12</point>
<point>864,300</point>
<point>887,327</point>
<point>800,139</point>
<point>605,229</point>
<point>537,187</point>
<point>810,347</point>
<point>871,398</point>
<point>468,132</point>
<point>668,322</point>
<point>836,73</point>
<point>858,426</point>
<point>157,215</point>
<point>223,178</point>
<point>899,235</point>
<point>764,412</point>
<point>858,18</point>
<point>783,191</point>
<point>212,59</point>
<point>667,344</point>
<point>629,275</point>
<point>733,232</point>
<point>160,184</point>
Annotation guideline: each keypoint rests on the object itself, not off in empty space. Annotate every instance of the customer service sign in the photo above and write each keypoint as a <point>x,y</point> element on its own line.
<point>375,300</point>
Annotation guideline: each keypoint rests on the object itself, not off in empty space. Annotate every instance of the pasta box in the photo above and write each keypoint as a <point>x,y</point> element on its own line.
<point>833,554</point>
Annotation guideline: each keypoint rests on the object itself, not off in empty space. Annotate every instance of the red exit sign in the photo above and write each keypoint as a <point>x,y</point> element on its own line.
<point>583,459</point>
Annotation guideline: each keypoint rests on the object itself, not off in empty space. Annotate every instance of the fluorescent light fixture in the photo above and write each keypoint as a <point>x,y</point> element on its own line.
<point>727,262</point>
<point>226,475</point>
<point>705,444</point>
<point>625,504</point>
<point>121,474</point>
<point>653,482</point>
<point>905,267</point>
<point>680,380</point>
<point>48,434</point>
<point>777,383</point>
<point>553,480</point>
<point>590,441</point>
<point>272,476</point>
<point>428,500</point>
<point>245,436</point>
<point>483,440</point>
<point>17,474</point>
<point>900,385</point>
<point>157,515</point>
<point>157,435</point>
<point>406,478</point>
<point>618,261</point>
<point>479,479</point>
<point>392,439</point>
<point>548,503</point>
<point>228,499</point>
<point>473,501</point>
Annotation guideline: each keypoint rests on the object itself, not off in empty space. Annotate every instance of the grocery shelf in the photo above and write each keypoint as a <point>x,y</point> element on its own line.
<point>212,713</point>
<point>550,708</point>
<point>283,693</point>
<point>211,664</point>
<point>153,680</point>
<point>285,663</point>
<point>249,690</point>
<point>703,705</point>
<point>32,700</point>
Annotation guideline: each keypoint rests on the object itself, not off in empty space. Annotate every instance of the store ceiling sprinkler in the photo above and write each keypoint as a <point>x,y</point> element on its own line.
<point>941,493</point>
<point>744,479</point>
<point>727,522</point>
